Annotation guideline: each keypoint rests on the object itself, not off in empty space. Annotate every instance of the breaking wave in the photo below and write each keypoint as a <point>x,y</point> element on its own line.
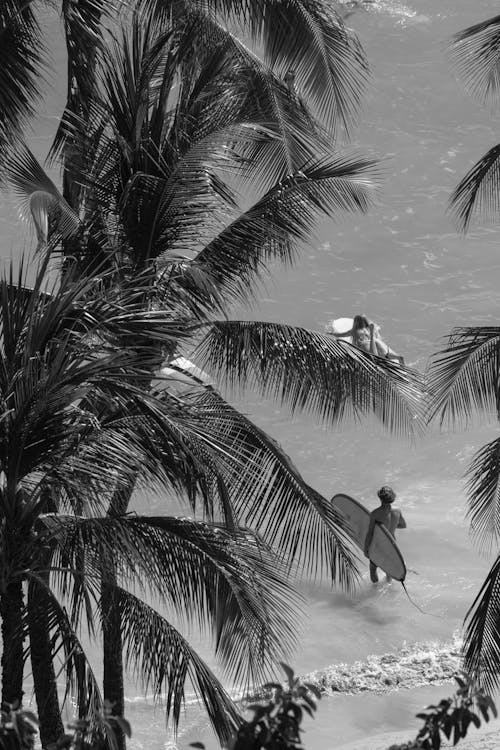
<point>413,666</point>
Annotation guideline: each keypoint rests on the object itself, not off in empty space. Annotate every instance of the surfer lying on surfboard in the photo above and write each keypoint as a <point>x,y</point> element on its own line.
<point>387,516</point>
<point>366,335</point>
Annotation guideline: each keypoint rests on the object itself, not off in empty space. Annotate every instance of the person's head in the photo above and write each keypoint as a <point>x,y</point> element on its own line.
<point>386,494</point>
<point>360,321</point>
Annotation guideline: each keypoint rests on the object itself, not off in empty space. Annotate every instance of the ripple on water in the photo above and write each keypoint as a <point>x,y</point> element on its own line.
<point>402,12</point>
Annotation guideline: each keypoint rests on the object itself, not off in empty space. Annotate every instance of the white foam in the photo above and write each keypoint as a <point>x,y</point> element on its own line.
<point>413,666</point>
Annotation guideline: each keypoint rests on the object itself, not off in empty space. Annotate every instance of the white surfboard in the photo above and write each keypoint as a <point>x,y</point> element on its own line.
<point>340,326</point>
<point>384,551</point>
<point>183,370</point>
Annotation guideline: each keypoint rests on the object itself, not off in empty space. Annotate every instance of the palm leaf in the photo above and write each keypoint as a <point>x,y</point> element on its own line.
<point>463,378</point>
<point>271,229</point>
<point>21,50</point>
<point>266,491</point>
<point>482,635</point>
<point>84,25</point>
<point>52,407</point>
<point>478,192</point>
<point>314,372</point>
<point>234,118</point>
<point>167,661</point>
<point>483,492</point>
<point>39,197</point>
<point>475,51</point>
<point>327,59</point>
<point>229,581</point>
<point>308,37</point>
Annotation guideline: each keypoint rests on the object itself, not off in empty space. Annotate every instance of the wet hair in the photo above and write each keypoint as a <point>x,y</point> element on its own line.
<point>360,321</point>
<point>386,494</point>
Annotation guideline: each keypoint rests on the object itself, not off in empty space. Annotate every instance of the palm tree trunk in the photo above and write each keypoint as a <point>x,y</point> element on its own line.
<point>11,612</point>
<point>44,678</point>
<point>113,677</point>
<point>113,680</point>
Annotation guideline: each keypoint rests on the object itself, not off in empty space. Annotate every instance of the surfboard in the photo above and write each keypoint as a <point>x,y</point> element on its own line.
<point>183,370</point>
<point>384,551</point>
<point>340,325</point>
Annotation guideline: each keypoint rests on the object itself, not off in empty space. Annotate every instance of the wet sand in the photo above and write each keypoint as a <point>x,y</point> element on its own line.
<point>375,721</point>
<point>487,737</point>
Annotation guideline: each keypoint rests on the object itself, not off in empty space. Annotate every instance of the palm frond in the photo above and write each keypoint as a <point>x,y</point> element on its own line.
<point>249,91</point>
<point>68,351</point>
<point>463,378</point>
<point>84,24</point>
<point>266,491</point>
<point>314,372</point>
<point>327,59</point>
<point>234,118</point>
<point>21,51</point>
<point>307,37</point>
<point>481,647</point>
<point>477,194</point>
<point>40,199</point>
<point>269,230</point>
<point>475,52</point>
<point>166,661</point>
<point>230,582</point>
<point>483,493</point>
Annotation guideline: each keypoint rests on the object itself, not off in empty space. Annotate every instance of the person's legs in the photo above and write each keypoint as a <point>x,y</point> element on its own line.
<point>373,572</point>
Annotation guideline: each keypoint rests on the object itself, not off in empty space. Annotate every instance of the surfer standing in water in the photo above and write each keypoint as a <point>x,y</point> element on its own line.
<point>366,335</point>
<point>387,516</point>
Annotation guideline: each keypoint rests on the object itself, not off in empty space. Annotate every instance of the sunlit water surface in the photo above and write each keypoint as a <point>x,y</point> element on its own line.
<point>407,268</point>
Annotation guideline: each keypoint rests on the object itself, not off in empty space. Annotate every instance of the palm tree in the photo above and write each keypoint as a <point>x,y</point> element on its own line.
<point>158,161</point>
<point>64,453</point>
<point>475,52</point>
<point>308,37</point>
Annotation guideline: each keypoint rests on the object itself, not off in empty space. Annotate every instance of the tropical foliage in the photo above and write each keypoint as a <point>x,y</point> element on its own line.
<point>190,166</point>
<point>475,53</point>
<point>76,425</point>
<point>305,39</point>
<point>464,377</point>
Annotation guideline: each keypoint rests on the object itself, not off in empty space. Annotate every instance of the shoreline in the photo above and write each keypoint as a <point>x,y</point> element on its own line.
<point>487,737</point>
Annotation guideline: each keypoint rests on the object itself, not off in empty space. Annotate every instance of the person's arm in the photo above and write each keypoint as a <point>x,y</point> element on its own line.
<point>401,522</point>
<point>373,349</point>
<point>342,335</point>
<point>369,535</point>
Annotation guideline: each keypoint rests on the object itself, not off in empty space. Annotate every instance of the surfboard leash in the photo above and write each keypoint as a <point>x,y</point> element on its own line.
<point>414,603</point>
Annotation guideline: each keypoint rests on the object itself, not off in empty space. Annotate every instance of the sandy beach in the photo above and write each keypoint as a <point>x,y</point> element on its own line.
<point>487,737</point>
<point>375,720</point>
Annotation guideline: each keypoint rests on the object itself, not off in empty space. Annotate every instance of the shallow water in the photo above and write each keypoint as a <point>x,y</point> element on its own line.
<point>407,268</point>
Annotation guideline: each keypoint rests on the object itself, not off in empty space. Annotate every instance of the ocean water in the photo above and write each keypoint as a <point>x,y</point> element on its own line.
<point>407,268</point>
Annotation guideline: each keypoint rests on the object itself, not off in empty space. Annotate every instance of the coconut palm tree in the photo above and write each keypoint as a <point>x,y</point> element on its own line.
<point>76,427</point>
<point>306,39</point>
<point>475,53</point>
<point>158,162</point>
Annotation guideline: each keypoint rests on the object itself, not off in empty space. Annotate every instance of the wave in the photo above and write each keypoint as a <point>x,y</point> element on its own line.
<point>413,666</point>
